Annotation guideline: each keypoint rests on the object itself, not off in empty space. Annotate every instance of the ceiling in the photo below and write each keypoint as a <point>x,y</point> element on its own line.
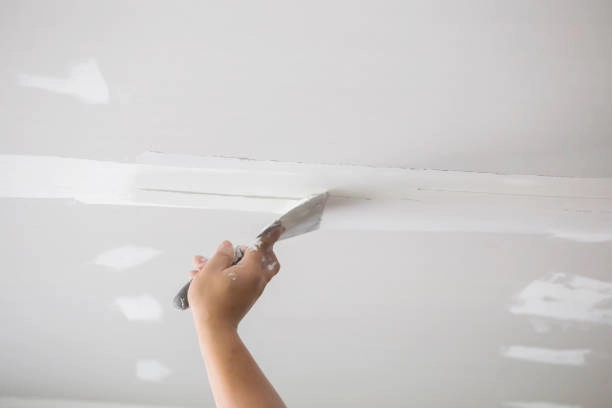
<point>463,317</point>
<point>506,87</point>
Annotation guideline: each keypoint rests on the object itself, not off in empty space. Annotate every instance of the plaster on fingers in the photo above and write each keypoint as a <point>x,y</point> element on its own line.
<point>198,261</point>
<point>269,264</point>
<point>266,239</point>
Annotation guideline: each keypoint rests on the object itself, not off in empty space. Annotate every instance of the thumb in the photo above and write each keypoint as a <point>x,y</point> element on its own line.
<point>264,243</point>
<point>223,258</point>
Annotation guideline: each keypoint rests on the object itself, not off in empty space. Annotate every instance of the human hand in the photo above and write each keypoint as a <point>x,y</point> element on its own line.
<point>220,294</point>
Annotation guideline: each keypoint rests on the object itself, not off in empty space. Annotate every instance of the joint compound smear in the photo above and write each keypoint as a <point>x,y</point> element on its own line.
<point>566,297</point>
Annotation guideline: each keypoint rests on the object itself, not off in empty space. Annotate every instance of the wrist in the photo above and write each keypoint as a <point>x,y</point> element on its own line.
<point>217,340</point>
<point>210,331</point>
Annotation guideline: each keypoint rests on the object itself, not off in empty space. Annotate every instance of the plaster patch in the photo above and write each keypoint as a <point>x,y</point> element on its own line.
<point>397,199</point>
<point>126,257</point>
<point>144,307</point>
<point>566,297</point>
<point>151,370</point>
<point>583,236</point>
<point>569,357</point>
<point>84,82</point>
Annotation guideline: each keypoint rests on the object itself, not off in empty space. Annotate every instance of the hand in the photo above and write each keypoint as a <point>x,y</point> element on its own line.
<point>220,294</point>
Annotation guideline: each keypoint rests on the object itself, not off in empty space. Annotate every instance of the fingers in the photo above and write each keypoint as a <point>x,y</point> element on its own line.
<point>270,265</point>
<point>261,254</point>
<point>199,261</point>
<point>265,241</point>
<point>223,258</point>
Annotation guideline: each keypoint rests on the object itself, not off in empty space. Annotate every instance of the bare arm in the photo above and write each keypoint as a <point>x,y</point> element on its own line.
<point>220,295</point>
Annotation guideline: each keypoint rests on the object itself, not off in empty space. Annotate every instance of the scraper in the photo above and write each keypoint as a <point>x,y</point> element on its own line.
<point>302,218</point>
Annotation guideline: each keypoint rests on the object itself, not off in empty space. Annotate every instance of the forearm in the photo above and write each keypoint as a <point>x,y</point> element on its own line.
<point>235,378</point>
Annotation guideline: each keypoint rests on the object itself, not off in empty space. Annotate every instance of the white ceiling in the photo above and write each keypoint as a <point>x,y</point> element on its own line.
<point>369,318</point>
<point>508,87</point>
<point>372,319</point>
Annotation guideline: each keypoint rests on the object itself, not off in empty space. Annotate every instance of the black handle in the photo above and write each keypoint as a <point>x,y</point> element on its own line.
<point>180,300</point>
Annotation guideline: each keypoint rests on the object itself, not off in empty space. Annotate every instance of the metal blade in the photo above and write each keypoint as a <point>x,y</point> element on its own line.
<point>304,217</point>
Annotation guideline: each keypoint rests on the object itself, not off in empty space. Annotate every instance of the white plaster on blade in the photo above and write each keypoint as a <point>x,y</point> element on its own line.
<point>568,357</point>
<point>85,82</point>
<point>126,257</point>
<point>139,308</point>
<point>566,297</point>
<point>151,370</point>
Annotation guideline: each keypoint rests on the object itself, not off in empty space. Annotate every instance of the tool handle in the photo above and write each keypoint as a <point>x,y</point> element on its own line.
<point>180,300</point>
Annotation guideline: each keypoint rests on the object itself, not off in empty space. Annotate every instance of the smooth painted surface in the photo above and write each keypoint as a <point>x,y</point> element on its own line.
<point>495,86</point>
<point>480,283</point>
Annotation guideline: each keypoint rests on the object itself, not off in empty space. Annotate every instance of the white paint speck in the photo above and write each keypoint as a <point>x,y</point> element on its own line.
<point>85,82</point>
<point>126,257</point>
<point>255,245</point>
<point>151,370</point>
<point>232,275</point>
<point>271,266</point>
<point>566,297</point>
<point>144,307</point>
<point>569,357</point>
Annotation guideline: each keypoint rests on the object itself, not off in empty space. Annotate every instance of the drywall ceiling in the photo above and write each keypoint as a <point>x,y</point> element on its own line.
<point>371,319</point>
<point>124,128</point>
<point>506,87</point>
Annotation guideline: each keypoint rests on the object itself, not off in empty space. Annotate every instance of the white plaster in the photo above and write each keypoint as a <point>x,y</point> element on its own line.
<point>85,82</point>
<point>539,404</point>
<point>100,182</point>
<point>255,245</point>
<point>361,198</point>
<point>583,237</point>
<point>151,370</point>
<point>569,357</point>
<point>140,308</point>
<point>566,297</point>
<point>125,257</point>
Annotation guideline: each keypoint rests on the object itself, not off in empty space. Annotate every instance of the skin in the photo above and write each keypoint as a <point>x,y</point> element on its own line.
<point>220,295</point>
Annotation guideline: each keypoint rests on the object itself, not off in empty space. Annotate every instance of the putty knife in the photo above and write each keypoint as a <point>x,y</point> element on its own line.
<point>303,218</point>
